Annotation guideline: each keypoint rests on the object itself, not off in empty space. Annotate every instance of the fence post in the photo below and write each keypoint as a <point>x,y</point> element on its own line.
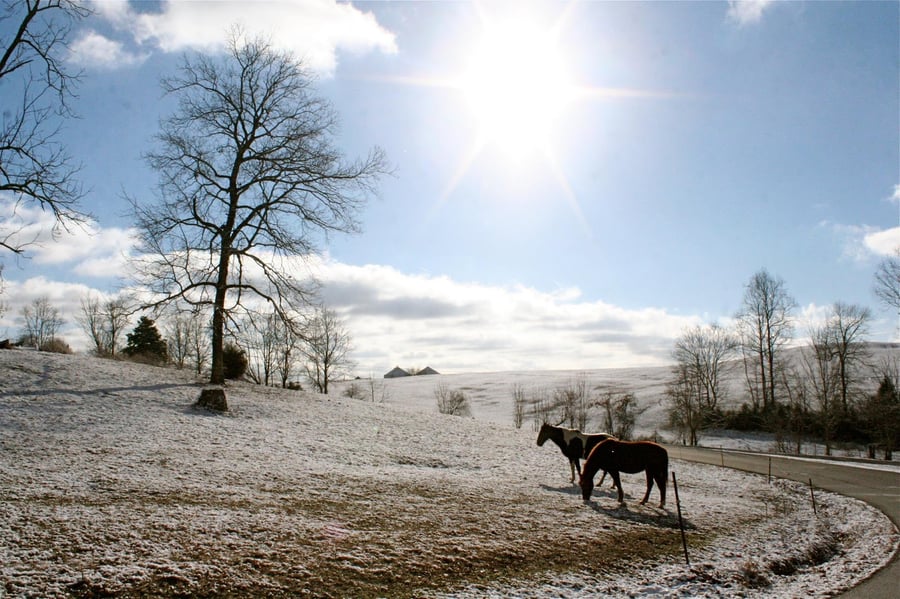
<point>813,495</point>
<point>680,521</point>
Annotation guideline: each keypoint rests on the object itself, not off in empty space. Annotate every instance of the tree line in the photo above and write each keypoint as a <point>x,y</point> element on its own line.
<point>831,388</point>
<point>258,347</point>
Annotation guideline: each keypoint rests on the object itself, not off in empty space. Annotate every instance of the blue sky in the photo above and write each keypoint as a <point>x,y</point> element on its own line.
<point>686,146</point>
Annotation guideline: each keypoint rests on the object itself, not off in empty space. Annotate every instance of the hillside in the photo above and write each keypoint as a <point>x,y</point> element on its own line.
<point>490,394</point>
<point>115,484</point>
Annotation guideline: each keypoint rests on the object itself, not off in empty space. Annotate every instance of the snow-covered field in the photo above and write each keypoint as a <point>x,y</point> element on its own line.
<point>114,484</point>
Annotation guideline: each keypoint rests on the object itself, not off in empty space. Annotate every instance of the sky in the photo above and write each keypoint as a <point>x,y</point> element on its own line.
<point>573,183</point>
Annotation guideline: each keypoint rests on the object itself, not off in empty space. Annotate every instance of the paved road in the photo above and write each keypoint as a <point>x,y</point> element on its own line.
<point>880,488</point>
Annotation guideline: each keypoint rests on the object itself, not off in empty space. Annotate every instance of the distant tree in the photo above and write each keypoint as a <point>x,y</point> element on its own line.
<point>823,378</point>
<point>684,395</point>
<point>520,403</point>
<point>198,338</point>
<point>250,178</point>
<point>326,349</point>
<point>619,414</point>
<point>765,327</point>
<point>849,325</point>
<point>178,339</point>
<point>42,322</point>
<point>145,344</point>
<point>702,354</point>
<point>103,322</point>
<point>887,280</point>
<point>37,86</point>
<point>574,401</point>
<point>453,402</point>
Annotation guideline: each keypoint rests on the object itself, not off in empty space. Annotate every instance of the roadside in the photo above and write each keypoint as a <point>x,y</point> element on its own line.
<point>879,487</point>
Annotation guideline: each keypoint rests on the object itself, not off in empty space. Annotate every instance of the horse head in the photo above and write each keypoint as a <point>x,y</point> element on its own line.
<point>544,434</point>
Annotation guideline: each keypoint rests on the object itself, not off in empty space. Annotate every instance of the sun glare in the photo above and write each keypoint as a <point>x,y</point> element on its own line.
<point>517,86</point>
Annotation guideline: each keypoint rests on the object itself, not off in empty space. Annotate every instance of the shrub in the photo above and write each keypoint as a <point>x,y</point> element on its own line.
<point>234,361</point>
<point>56,346</point>
<point>452,401</point>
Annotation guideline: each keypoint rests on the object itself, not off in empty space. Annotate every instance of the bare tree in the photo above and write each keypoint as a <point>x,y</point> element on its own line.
<point>258,337</point>
<point>574,400</point>
<point>887,281</point>
<point>703,353</point>
<point>249,178</point>
<point>849,325</point>
<point>520,403</point>
<point>619,413</point>
<point>178,339</point>
<point>198,338</point>
<point>765,326</point>
<point>684,394</point>
<point>34,167</point>
<point>327,349</point>
<point>42,322</point>
<point>822,375</point>
<point>103,322</point>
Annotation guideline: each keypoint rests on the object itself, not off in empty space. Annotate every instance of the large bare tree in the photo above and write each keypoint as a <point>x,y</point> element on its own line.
<point>765,326</point>
<point>849,325</point>
<point>37,88</point>
<point>250,181</point>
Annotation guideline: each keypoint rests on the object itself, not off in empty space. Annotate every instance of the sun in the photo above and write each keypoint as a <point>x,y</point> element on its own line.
<point>517,86</point>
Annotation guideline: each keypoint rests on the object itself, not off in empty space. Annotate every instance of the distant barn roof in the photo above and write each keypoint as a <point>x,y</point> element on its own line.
<point>428,370</point>
<point>396,373</point>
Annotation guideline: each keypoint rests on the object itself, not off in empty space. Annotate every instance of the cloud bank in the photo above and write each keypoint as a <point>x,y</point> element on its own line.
<point>394,318</point>
<point>316,30</point>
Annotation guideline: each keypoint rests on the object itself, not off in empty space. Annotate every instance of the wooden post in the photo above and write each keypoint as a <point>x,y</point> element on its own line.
<point>680,521</point>
<point>770,470</point>
<point>813,495</point>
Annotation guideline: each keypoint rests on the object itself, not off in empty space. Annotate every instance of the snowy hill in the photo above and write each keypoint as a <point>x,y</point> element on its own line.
<point>114,484</point>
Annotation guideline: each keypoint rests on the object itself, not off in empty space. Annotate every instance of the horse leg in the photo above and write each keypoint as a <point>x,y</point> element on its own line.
<point>572,468</point>
<point>661,480</point>
<point>618,483</point>
<point>649,486</point>
<point>602,478</point>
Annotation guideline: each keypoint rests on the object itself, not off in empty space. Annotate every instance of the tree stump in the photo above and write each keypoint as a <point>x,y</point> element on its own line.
<point>213,399</point>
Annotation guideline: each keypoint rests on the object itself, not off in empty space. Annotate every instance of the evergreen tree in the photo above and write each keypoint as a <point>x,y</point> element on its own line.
<point>146,344</point>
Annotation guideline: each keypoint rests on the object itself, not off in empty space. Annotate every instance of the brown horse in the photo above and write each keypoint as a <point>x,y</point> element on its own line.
<point>623,456</point>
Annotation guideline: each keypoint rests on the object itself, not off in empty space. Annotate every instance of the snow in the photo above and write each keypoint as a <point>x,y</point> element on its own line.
<point>114,483</point>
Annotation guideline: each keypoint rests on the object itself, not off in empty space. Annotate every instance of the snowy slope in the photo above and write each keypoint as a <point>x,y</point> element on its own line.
<point>114,484</point>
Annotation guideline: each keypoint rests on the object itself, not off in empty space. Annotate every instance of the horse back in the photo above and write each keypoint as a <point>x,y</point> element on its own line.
<point>637,456</point>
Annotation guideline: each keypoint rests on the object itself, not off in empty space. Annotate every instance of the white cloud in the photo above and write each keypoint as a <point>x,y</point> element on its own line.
<point>747,12</point>
<point>393,317</point>
<point>96,50</point>
<point>88,250</point>
<point>314,29</point>
<point>417,320</point>
<point>883,243</point>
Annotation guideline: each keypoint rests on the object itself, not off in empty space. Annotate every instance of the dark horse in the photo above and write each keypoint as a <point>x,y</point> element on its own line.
<point>615,456</point>
<point>574,444</point>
